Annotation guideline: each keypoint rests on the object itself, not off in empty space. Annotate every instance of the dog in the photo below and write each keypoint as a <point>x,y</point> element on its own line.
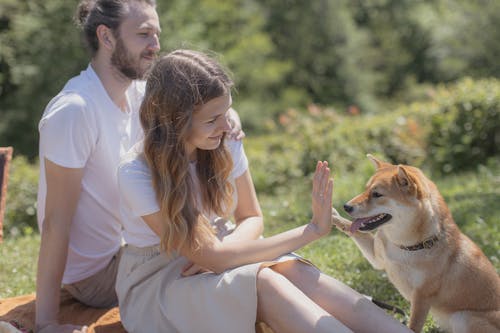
<point>402,225</point>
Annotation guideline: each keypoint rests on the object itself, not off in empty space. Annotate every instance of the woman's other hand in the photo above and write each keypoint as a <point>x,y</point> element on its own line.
<point>192,269</point>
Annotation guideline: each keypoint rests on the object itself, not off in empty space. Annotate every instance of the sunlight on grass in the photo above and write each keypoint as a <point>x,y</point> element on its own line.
<point>18,258</point>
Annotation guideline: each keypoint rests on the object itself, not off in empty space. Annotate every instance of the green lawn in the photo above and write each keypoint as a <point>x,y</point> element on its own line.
<point>472,197</point>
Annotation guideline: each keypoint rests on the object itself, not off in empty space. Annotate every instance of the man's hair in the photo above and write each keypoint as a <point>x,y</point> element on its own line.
<point>92,13</point>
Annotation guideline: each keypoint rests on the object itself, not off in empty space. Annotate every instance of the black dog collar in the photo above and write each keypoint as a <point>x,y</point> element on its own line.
<point>426,244</point>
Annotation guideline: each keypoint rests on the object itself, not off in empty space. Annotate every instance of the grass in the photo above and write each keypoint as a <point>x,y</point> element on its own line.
<point>472,198</point>
<point>18,258</point>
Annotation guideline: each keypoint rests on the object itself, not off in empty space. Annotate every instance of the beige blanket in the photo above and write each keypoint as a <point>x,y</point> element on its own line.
<point>22,310</point>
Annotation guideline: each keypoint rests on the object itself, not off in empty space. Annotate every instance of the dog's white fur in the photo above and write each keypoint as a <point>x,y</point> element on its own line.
<point>453,278</point>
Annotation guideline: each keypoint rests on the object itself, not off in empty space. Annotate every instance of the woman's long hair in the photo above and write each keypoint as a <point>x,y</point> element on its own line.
<point>178,84</point>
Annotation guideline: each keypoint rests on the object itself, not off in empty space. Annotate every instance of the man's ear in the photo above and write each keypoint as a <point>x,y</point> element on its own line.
<point>105,37</point>
<point>377,163</point>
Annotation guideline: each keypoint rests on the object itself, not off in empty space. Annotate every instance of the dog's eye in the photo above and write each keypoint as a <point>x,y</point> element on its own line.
<point>376,194</point>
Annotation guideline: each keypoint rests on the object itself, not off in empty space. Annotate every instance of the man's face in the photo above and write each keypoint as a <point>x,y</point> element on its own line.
<point>137,41</point>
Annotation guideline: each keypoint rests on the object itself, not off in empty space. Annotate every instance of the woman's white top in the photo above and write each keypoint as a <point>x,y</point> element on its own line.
<point>138,197</point>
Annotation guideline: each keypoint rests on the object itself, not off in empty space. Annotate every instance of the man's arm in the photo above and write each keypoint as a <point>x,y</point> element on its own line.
<point>63,192</point>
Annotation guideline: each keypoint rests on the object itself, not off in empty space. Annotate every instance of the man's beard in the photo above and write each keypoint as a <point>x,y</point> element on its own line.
<point>124,61</point>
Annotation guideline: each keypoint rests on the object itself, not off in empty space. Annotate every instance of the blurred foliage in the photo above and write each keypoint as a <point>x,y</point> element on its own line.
<point>344,140</point>
<point>283,53</point>
<point>456,128</point>
<point>465,126</point>
<point>330,53</point>
<point>40,50</point>
<point>20,210</point>
<point>234,29</point>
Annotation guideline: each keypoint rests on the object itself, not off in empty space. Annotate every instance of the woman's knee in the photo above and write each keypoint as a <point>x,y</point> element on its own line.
<point>298,272</point>
<point>267,281</point>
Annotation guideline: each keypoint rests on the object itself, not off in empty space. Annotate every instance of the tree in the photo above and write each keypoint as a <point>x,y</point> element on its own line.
<point>40,50</point>
<point>331,56</point>
<point>234,30</point>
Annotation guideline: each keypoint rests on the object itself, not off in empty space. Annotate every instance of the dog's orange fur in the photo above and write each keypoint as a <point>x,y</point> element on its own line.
<point>453,278</point>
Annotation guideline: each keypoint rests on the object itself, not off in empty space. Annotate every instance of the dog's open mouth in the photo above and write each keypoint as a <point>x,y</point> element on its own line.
<point>369,223</point>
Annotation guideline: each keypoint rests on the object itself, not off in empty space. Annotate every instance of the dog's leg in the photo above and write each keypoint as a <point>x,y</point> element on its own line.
<point>419,310</point>
<point>364,241</point>
<point>366,245</point>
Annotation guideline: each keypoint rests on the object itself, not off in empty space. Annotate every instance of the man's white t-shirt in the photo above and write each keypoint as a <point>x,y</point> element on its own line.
<point>139,198</point>
<point>82,127</point>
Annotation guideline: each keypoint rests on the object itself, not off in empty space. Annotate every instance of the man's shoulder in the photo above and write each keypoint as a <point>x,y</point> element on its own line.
<point>77,92</point>
<point>67,102</point>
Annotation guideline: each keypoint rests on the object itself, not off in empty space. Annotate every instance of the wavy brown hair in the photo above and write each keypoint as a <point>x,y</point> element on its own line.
<point>178,84</point>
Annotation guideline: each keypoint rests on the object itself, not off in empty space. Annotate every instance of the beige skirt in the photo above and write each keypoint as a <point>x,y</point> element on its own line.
<point>154,297</point>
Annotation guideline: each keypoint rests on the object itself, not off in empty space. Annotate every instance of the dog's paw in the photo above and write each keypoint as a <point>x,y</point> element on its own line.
<point>341,223</point>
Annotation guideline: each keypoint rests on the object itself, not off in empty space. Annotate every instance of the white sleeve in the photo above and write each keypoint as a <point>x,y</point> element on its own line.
<point>136,189</point>
<point>240,161</point>
<point>67,135</point>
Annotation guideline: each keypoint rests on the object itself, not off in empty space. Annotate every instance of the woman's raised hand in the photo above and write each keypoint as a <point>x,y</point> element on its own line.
<point>322,199</point>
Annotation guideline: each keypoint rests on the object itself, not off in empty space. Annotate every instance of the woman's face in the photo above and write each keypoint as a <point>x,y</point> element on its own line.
<point>210,122</point>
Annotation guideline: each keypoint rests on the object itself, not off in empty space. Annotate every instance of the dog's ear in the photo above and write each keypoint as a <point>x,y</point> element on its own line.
<point>377,163</point>
<point>408,182</point>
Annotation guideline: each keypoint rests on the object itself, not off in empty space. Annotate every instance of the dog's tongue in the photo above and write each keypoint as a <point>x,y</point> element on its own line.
<point>356,224</point>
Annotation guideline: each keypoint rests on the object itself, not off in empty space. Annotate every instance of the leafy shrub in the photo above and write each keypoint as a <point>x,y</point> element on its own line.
<point>343,140</point>
<point>455,129</point>
<point>20,210</point>
<point>465,127</point>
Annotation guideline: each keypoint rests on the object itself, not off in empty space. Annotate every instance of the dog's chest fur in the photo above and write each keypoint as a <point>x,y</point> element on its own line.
<point>409,270</point>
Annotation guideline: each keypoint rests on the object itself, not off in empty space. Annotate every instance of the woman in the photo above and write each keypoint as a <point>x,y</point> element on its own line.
<point>179,275</point>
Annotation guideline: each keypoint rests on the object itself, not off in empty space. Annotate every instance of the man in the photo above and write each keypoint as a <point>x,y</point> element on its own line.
<point>84,131</point>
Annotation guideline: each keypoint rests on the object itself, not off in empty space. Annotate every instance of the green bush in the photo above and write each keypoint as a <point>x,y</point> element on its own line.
<point>455,129</point>
<point>465,126</point>
<point>20,210</point>
<point>303,138</point>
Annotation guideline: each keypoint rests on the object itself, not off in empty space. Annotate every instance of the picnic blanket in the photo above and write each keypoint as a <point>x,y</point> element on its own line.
<point>21,312</point>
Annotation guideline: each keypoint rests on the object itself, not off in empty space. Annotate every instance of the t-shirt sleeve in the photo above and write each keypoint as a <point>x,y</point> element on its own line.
<point>136,190</point>
<point>67,135</point>
<point>240,161</point>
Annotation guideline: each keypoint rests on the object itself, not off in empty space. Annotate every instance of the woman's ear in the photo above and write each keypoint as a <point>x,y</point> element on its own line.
<point>105,37</point>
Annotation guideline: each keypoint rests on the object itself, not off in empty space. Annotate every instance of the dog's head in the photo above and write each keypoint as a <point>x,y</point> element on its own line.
<point>394,195</point>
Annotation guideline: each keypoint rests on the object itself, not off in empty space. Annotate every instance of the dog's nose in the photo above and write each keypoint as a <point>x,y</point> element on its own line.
<point>348,208</point>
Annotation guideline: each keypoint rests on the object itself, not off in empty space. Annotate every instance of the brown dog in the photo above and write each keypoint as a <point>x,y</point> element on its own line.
<point>403,226</point>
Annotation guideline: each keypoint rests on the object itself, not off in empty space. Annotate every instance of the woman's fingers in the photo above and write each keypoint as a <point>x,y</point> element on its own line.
<point>322,197</point>
<point>321,181</point>
<point>192,269</point>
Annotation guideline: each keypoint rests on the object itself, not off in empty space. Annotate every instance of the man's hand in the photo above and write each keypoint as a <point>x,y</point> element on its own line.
<point>236,129</point>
